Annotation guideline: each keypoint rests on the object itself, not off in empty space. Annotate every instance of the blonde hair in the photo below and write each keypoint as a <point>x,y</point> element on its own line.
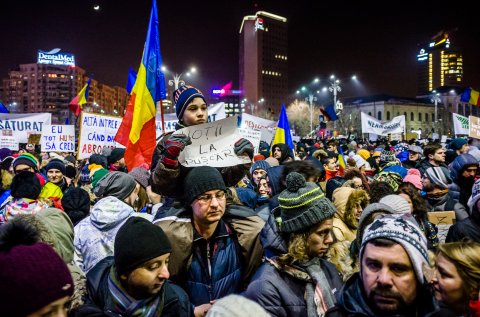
<point>297,249</point>
<point>465,256</point>
<point>357,197</point>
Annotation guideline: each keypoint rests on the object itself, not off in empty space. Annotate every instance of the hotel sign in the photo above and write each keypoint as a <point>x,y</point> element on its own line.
<point>54,57</point>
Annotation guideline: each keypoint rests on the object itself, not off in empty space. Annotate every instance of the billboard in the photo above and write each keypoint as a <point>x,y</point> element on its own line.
<point>54,57</point>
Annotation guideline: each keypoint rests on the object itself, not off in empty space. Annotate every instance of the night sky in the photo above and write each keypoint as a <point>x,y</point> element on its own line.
<point>377,43</point>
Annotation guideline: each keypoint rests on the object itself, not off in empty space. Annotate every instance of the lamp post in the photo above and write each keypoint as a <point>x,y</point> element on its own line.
<point>177,78</point>
<point>436,99</point>
<point>335,88</point>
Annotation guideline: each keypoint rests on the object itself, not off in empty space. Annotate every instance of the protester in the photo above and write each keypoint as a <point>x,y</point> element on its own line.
<point>116,160</point>
<point>282,153</point>
<point>25,162</point>
<point>434,156</point>
<point>227,234</point>
<point>414,156</point>
<point>299,282</point>
<point>76,204</point>
<point>134,282</point>
<point>463,171</point>
<point>236,306</point>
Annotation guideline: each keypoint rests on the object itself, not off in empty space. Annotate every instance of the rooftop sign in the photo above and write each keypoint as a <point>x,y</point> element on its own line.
<point>54,57</point>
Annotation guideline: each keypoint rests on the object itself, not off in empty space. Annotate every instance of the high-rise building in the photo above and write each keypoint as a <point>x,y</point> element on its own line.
<point>264,63</point>
<point>439,65</point>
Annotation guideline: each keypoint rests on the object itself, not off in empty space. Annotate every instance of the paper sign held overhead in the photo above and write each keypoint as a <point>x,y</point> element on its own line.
<point>474,129</point>
<point>58,138</point>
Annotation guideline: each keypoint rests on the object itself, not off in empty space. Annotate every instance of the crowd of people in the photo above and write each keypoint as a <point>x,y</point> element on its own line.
<point>329,228</point>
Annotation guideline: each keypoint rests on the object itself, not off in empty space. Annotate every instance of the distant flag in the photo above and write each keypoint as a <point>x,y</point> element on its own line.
<point>471,96</point>
<point>341,162</point>
<point>3,109</point>
<point>67,122</point>
<point>139,120</point>
<point>283,133</point>
<point>132,77</point>
<point>76,104</point>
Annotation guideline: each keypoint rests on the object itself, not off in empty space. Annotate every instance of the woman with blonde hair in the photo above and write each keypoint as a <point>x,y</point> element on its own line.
<point>456,283</point>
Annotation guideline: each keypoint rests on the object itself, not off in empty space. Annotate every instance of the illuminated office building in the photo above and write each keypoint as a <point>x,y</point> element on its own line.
<point>439,65</point>
<point>263,59</point>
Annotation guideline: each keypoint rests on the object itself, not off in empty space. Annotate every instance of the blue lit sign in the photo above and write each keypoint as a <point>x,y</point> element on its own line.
<point>54,57</point>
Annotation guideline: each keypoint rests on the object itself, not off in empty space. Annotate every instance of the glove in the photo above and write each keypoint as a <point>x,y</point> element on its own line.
<point>243,146</point>
<point>173,146</point>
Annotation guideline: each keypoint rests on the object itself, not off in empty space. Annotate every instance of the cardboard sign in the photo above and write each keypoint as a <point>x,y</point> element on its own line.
<point>444,220</point>
<point>474,128</point>
<point>58,138</point>
<point>212,144</point>
<point>21,126</point>
<point>34,138</point>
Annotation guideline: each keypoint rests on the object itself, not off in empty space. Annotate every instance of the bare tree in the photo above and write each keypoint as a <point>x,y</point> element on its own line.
<point>298,113</point>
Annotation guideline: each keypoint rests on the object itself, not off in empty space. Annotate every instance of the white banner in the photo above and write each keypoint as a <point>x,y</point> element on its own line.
<point>9,142</point>
<point>252,127</point>
<point>372,125</point>
<point>212,144</point>
<point>460,124</point>
<point>20,126</point>
<point>58,138</point>
<point>97,132</point>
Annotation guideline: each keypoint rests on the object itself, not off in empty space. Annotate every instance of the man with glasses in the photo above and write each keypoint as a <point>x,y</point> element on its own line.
<point>414,156</point>
<point>216,245</point>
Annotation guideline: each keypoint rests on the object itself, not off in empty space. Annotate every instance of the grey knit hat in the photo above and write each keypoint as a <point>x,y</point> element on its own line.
<point>201,179</point>
<point>303,204</point>
<point>399,204</point>
<point>236,305</point>
<point>117,184</point>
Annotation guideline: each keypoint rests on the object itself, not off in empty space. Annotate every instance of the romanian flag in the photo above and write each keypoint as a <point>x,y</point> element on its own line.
<point>3,109</point>
<point>137,131</point>
<point>341,162</point>
<point>283,133</point>
<point>471,96</point>
<point>76,104</point>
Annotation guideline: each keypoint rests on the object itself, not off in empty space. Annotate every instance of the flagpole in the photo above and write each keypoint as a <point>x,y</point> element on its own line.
<point>161,116</point>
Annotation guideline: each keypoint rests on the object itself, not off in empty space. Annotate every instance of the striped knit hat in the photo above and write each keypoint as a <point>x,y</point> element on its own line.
<point>438,176</point>
<point>182,97</point>
<point>303,204</point>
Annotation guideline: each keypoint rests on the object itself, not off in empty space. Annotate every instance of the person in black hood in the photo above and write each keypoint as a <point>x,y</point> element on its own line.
<point>463,170</point>
<point>282,153</point>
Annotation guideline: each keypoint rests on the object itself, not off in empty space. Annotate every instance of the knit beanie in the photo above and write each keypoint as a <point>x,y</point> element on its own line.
<point>116,184</point>
<point>25,185</point>
<point>438,176</point>
<point>302,204</point>
<point>363,153</point>
<point>141,175</point>
<point>183,96</point>
<point>457,143</point>
<point>70,171</point>
<point>98,159</point>
<point>201,179</point>
<point>397,203</point>
<point>404,230</point>
<point>56,164</point>
<point>32,274</point>
<point>236,306</point>
<point>413,177</point>
<point>27,159</point>
<point>98,175</point>
<point>106,151</point>
<point>116,155</point>
<point>71,159</point>
<point>149,242</point>
<point>76,204</point>
<point>475,195</point>
<point>262,165</point>
<point>387,157</point>
<point>5,152</point>
<point>369,210</point>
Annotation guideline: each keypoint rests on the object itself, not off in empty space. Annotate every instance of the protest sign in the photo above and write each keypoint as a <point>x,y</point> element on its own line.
<point>372,125</point>
<point>460,124</point>
<point>443,220</point>
<point>474,127</point>
<point>8,142</point>
<point>97,132</point>
<point>58,138</point>
<point>212,144</point>
<point>21,126</point>
<point>34,138</point>
<point>252,127</point>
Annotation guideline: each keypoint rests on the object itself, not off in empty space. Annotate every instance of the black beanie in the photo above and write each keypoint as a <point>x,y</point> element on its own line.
<point>116,155</point>
<point>98,159</point>
<point>25,185</point>
<point>76,204</point>
<point>56,164</point>
<point>201,179</point>
<point>70,171</point>
<point>137,242</point>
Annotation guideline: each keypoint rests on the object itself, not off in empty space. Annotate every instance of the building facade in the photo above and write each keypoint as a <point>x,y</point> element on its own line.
<point>439,64</point>
<point>263,61</point>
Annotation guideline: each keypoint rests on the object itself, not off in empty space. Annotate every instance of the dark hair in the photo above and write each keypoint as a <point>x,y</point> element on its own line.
<point>351,173</point>
<point>326,160</point>
<point>420,209</point>
<point>431,149</point>
<point>305,167</point>
<point>378,190</point>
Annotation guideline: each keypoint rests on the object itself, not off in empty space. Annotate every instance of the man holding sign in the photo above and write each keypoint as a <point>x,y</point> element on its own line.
<point>191,110</point>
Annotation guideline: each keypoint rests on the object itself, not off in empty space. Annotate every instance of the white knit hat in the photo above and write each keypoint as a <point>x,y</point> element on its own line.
<point>236,305</point>
<point>397,203</point>
<point>404,230</point>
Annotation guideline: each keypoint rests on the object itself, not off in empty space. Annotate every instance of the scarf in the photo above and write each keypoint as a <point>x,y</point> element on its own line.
<point>438,195</point>
<point>125,304</point>
<point>330,174</point>
<point>22,206</point>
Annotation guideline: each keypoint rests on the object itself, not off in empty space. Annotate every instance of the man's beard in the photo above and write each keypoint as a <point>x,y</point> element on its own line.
<point>396,308</point>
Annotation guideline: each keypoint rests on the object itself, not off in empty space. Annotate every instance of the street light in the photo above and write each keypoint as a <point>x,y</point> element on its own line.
<point>177,78</point>
<point>335,88</point>
<point>436,99</point>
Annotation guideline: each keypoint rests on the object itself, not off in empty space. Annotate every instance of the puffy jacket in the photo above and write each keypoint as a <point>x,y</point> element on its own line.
<point>95,235</point>
<point>282,293</point>
<point>234,250</point>
<point>100,301</point>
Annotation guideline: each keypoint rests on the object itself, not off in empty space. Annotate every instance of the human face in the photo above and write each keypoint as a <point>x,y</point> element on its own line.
<point>413,156</point>
<point>263,188</point>
<point>209,207</point>
<point>357,182</point>
<point>408,199</point>
<point>22,168</point>
<point>55,309</point>
<point>331,148</point>
<point>358,211</point>
<point>448,284</point>
<point>257,174</point>
<point>388,278</point>
<point>277,153</point>
<point>320,238</point>
<point>427,185</point>
<point>54,176</point>
<point>147,280</point>
<point>470,172</point>
<point>438,157</point>
<point>464,149</point>
<point>331,165</point>
<point>195,113</point>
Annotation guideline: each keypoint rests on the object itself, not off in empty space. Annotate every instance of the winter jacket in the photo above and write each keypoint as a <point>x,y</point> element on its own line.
<point>95,235</point>
<point>424,164</point>
<point>100,302</point>
<point>466,228</point>
<point>270,236</point>
<point>234,250</point>
<point>340,230</point>
<point>282,291</point>
<point>447,203</point>
<point>351,302</point>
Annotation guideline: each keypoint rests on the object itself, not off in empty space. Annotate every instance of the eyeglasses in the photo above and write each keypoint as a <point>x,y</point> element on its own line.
<point>207,199</point>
